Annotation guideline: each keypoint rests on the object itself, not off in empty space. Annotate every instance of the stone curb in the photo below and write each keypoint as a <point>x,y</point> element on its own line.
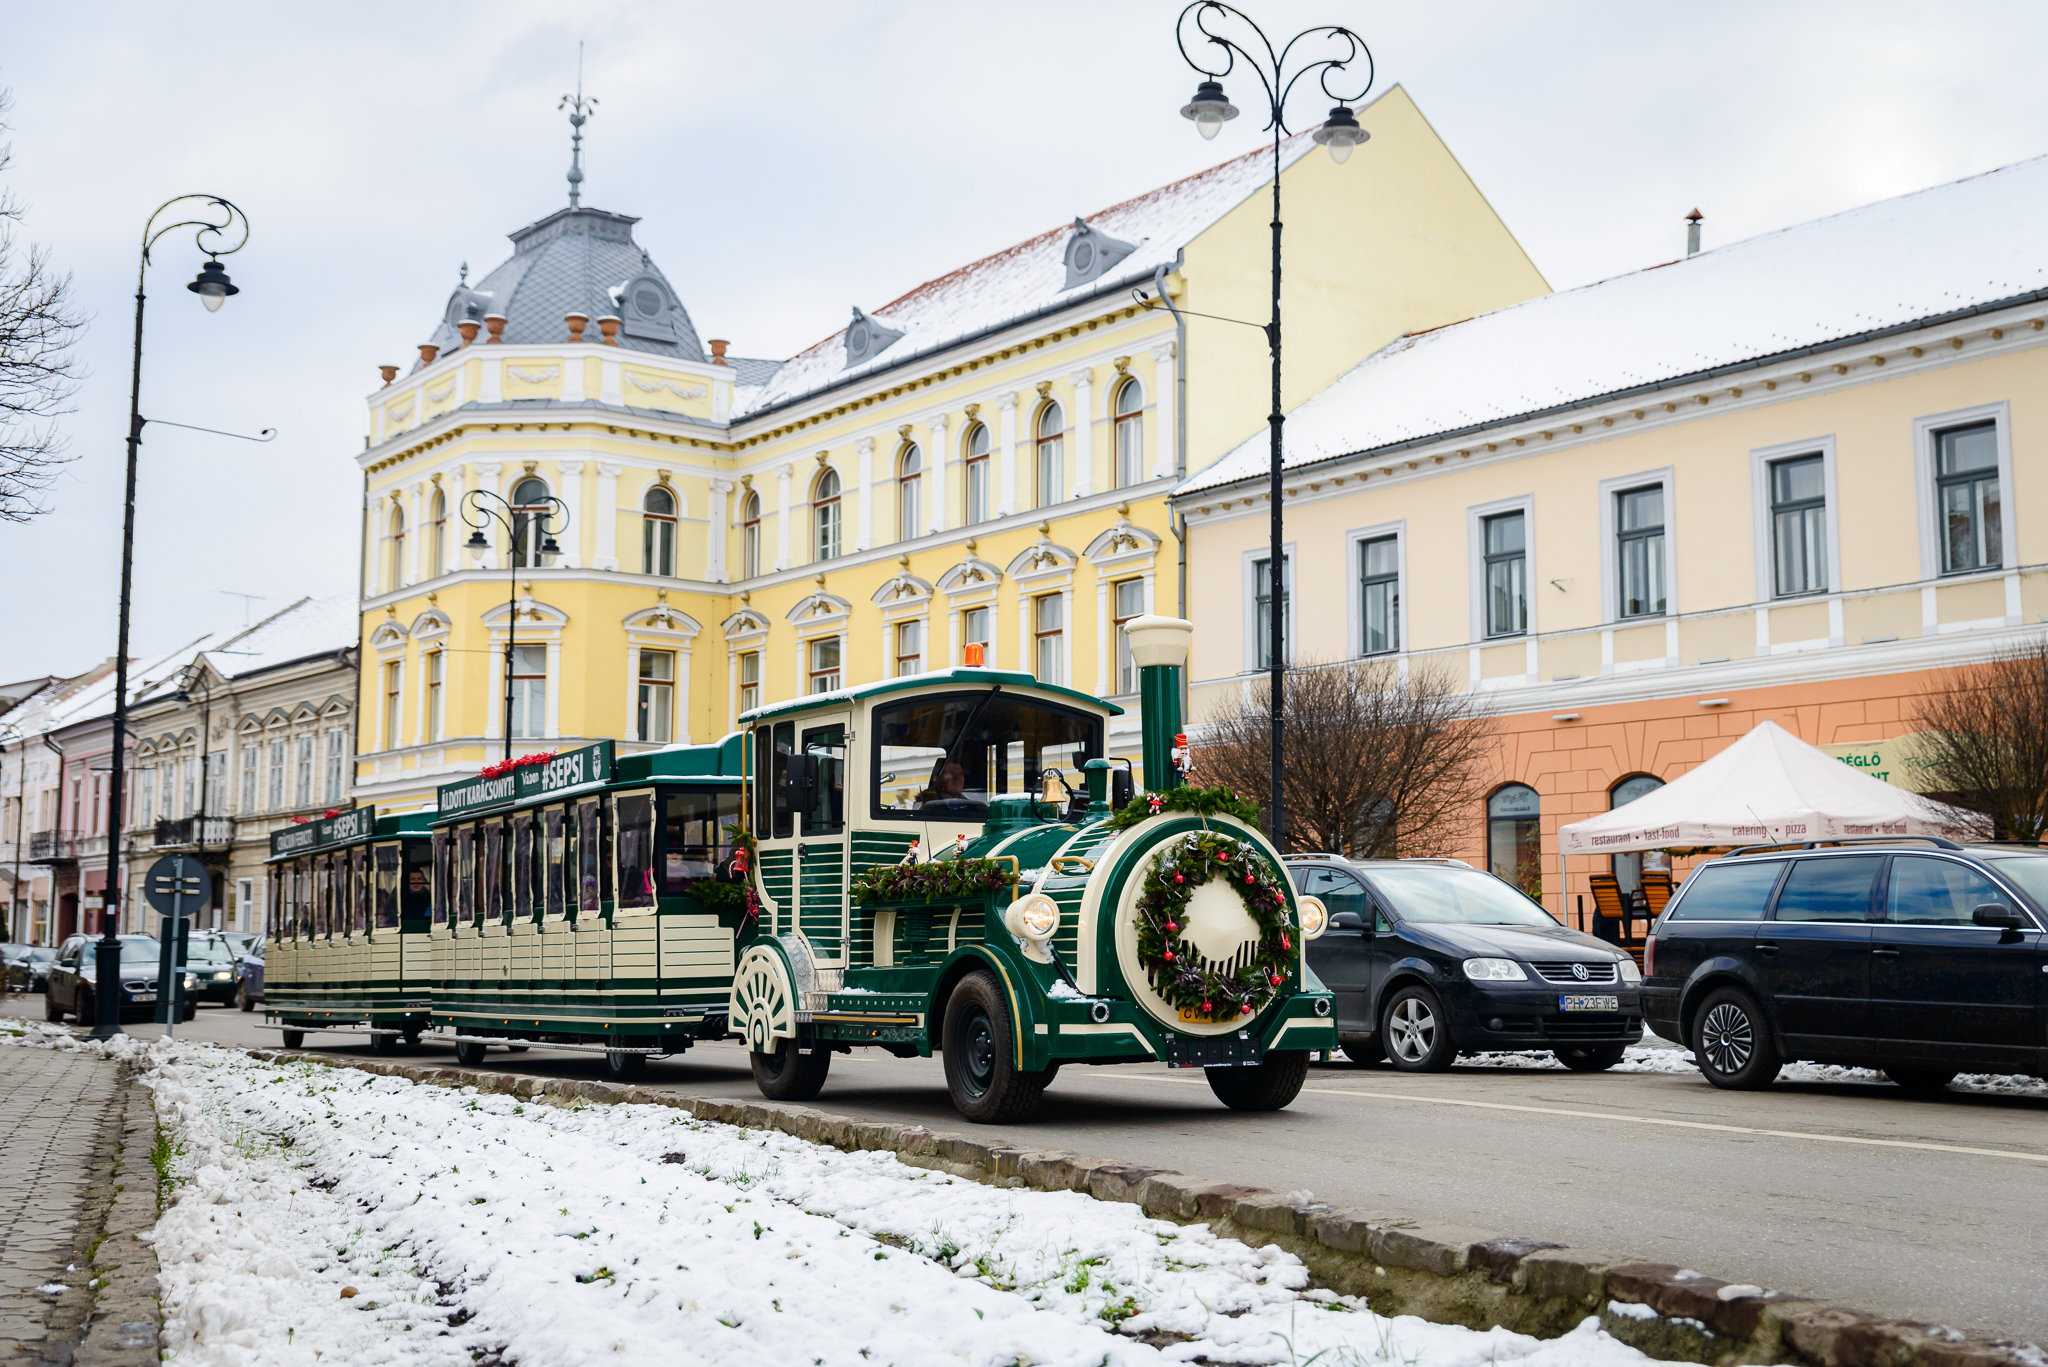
<point>126,1326</point>
<point>1445,1273</point>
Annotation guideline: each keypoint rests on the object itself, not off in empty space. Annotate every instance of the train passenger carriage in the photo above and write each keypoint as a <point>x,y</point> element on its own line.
<point>949,863</point>
<point>349,942</point>
<point>589,900</point>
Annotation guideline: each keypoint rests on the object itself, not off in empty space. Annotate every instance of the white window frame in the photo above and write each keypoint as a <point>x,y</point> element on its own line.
<point>1248,588</point>
<point>1760,460</point>
<point>1610,545</point>
<point>1354,594</point>
<point>809,646</point>
<point>1475,567</point>
<point>1927,507</point>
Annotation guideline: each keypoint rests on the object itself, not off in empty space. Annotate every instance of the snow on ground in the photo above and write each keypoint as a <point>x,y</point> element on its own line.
<point>1669,1058</point>
<point>476,1227</point>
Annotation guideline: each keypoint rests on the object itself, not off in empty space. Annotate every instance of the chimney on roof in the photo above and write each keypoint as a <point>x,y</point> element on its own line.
<point>1692,232</point>
<point>718,346</point>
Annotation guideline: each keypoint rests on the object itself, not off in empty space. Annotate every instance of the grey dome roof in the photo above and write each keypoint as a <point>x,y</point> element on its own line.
<point>577,261</point>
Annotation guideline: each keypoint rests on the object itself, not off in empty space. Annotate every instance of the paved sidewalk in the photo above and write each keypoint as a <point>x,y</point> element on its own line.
<point>63,1115</point>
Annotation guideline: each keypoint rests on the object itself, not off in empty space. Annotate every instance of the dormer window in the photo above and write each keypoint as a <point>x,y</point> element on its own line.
<point>867,338</point>
<point>1092,253</point>
<point>646,309</point>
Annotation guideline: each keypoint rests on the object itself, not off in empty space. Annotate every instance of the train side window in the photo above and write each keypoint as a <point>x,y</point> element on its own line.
<point>604,839</point>
<point>359,890</point>
<point>824,796</point>
<point>416,902</point>
<point>634,813</point>
<point>522,864</point>
<point>465,874</point>
<point>552,857</point>
<point>589,856</point>
<point>784,795</point>
<point>322,875</point>
<point>493,862</point>
<point>439,899</point>
<point>386,914</point>
<point>763,762</point>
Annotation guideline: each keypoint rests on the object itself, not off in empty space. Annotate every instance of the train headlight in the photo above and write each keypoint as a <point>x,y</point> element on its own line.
<point>1033,919</point>
<point>1315,917</point>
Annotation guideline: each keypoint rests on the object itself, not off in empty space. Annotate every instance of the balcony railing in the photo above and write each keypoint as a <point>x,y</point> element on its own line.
<point>195,832</point>
<point>61,847</point>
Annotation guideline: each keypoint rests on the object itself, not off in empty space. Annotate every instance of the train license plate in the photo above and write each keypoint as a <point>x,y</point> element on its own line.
<point>1215,1051</point>
<point>1589,1003</point>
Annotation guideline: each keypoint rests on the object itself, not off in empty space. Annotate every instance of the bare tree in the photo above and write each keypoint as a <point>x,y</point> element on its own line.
<point>37,327</point>
<point>1373,765</point>
<point>1986,739</point>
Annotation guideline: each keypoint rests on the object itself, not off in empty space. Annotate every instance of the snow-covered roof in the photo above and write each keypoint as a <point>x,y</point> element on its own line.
<point>1894,263</point>
<point>1029,278</point>
<point>309,627</point>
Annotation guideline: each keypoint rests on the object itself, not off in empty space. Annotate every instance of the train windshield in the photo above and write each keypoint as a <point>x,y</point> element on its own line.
<point>943,756</point>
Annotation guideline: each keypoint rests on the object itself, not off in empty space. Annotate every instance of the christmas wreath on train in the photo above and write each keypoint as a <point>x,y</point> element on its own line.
<point>1180,974</point>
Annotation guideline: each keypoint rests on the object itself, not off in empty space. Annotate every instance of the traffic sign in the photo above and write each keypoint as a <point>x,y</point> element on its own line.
<point>175,885</point>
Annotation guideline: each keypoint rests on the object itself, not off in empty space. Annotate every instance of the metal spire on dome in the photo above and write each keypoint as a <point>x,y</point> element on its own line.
<point>580,112</point>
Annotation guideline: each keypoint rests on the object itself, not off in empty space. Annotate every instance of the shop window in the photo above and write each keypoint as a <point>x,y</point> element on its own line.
<point>1514,838</point>
<point>1628,868</point>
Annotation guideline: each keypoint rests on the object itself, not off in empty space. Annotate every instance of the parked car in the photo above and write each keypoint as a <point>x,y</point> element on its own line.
<point>1922,958</point>
<point>73,980</point>
<point>28,966</point>
<point>249,981</point>
<point>214,961</point>
<point>1430,958</point>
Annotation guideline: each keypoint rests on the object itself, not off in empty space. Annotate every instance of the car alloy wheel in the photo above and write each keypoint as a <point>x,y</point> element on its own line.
<point>1728,1038</point>
<point>1412,1028</point>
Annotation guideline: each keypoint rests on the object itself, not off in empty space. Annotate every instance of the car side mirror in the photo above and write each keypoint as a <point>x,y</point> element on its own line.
<point>1349,920</point>
<point>1997,915</point>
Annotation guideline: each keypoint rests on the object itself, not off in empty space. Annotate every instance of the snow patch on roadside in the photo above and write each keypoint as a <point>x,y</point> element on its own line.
<point>1664,1058</point>
<point>583,1234</point>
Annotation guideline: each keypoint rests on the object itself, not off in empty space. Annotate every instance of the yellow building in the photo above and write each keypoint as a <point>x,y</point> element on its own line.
<point>1789,479</point>
<point>984,461</point>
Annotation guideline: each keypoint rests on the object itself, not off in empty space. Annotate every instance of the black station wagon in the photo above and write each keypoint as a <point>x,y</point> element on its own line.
<point>1430,958</point>
<point>1922,958</point>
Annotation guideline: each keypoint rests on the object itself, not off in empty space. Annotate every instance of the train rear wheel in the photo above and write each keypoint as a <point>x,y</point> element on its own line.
<point>789,1074</point>
<point>469,1053</point>
<point>621,1066</point>
<point>383,1044</point>
<point>294,1038</point>
<point>1269,1086</point>
<point>981,1067</point>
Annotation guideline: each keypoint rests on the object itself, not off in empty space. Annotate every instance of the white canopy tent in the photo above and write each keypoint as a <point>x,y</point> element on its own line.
<point>1768,787</point>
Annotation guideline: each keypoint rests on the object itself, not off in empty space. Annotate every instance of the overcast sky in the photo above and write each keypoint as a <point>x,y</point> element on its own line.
<point>788,161</point>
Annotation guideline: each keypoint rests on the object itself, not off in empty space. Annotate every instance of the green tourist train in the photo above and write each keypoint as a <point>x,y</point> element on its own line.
<point>943,864</point>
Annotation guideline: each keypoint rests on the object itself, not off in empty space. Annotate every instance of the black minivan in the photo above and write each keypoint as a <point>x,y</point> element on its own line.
<point>1920,957</point>
<point>1430,958</point>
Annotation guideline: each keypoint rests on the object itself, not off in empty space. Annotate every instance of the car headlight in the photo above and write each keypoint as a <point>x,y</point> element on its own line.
<point>1629,972</point>
<point>1033,919</point>
<point>222,976</point>
<point>1495,970</point>
<point>1315,917</point>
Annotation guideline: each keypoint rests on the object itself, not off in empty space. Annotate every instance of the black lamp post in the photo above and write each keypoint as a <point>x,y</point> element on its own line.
<point>480,508</point>
<point>215,220</point>
<point>1340,133</point>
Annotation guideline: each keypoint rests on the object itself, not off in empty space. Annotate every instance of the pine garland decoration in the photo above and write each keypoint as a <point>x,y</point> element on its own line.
<point>1194,801</point>
<point>941,878</point>
<point>1175,966</point>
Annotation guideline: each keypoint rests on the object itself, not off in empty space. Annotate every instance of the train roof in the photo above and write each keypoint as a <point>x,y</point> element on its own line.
<point>1005,678</point>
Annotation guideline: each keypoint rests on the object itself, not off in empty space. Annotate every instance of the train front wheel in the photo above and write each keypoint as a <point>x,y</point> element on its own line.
<point>981,1066</point>
<point>621,1066</point>
<point>469,1053</point>
<point>1268,1086</point>
<point>789,1074</point>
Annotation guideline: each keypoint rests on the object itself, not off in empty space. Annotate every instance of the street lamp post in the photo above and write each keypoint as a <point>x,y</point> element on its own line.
<point>531,521</point>
<point>213,288</point>
<point>1340,133</point>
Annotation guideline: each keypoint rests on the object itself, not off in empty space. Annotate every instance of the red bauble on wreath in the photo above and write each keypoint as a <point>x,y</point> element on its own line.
<point>1176,968</point>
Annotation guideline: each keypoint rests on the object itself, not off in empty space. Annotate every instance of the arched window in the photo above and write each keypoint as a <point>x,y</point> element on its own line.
<point>974,487</point>
<point>909,493</point>
<point>658,531</point>
<point>750,537</point>
<point>396,569</point>
<point>1051,448</point>
<point>438,540</point>
<point>825,516</point>
<point>1514,837</point>
<point>1130,434</point>
<point>1628,868</point>
<point>530,510</point>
